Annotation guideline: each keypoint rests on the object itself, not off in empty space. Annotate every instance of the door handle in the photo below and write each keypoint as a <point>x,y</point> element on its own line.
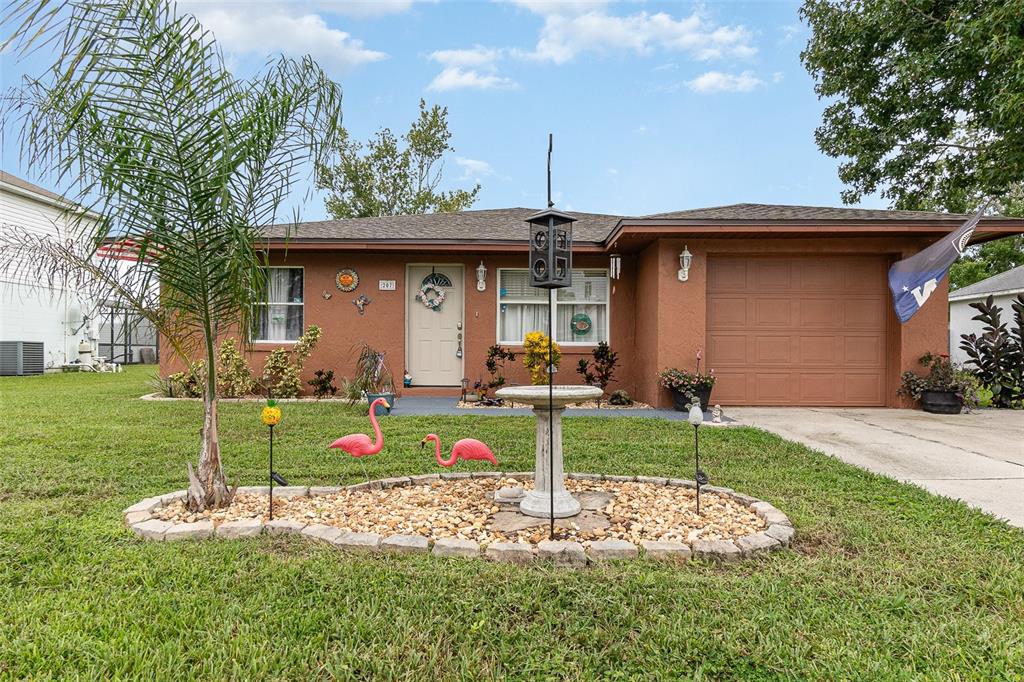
<point>458,352</point>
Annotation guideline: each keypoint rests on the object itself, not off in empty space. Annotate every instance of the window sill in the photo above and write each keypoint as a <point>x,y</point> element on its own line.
<point>274,343</point>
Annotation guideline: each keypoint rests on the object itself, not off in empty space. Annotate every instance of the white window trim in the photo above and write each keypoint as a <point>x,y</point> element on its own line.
<point>565,344</point>
<point>303,304</point>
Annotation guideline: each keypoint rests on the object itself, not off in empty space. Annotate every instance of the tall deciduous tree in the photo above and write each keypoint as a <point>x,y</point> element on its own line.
<point>926,96</point>
<point>181,162</point>
<point>381,177</point>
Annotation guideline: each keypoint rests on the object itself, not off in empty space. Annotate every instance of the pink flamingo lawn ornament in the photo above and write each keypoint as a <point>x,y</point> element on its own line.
<point>359,444</point>
<point>467,448</point>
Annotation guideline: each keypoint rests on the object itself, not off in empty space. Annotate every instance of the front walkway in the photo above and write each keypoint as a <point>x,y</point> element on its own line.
<point>977,458</point>
<point>422,406</point>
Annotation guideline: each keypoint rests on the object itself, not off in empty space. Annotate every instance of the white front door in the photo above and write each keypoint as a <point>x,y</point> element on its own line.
<point>435,336</point>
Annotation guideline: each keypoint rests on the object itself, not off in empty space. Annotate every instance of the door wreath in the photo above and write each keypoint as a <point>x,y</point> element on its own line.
<point>431,296</point>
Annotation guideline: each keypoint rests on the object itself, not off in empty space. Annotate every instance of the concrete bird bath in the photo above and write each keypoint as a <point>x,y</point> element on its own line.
<point>537,501</point>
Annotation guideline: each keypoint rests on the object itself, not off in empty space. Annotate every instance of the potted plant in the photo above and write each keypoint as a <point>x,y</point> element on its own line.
<point>947,388</point>
<point>688,386</point>
<point>373,378</point>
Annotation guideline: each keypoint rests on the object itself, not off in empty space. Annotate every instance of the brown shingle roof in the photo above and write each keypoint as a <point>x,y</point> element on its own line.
<point>507,224</point>
<point>784,213</point>
<point>498,224</point>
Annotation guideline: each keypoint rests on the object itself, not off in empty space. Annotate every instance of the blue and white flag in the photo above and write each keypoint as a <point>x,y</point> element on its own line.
<point>913,279</point>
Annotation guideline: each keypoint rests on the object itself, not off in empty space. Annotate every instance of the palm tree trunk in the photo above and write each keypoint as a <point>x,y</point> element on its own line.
<point>209,489</point>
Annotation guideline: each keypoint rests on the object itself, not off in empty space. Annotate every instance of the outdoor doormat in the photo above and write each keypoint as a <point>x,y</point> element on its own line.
<point>477,515</point>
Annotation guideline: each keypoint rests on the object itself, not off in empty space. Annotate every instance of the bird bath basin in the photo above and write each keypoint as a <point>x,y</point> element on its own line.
<point>538,501</point>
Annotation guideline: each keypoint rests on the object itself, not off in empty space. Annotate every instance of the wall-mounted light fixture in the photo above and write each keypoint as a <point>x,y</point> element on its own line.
<point>685,258</point>
<point>614,266</point>
<point>481,277</point>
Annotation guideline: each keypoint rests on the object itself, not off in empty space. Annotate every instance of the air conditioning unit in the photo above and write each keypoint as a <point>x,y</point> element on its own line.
<point>21,358</point>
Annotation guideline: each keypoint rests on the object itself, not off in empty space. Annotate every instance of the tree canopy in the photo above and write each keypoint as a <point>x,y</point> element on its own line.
<point>381,177</point>
<point>926,97</point>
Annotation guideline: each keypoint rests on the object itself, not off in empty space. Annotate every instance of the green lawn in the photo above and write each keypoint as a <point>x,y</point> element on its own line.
<point>884,581</point>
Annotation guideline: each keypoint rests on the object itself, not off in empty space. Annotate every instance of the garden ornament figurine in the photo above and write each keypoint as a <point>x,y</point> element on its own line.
<point>359,444</point>
<point>467,448</point>
<point>697,418</point>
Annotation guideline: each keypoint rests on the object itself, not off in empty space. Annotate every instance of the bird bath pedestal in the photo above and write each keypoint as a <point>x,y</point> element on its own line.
<point>537,502</point>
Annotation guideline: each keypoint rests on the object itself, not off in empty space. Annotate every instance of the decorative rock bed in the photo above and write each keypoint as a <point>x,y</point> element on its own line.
<point>476,515</point>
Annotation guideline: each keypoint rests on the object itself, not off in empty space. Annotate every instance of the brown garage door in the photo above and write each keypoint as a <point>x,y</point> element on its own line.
<point>797,331</point>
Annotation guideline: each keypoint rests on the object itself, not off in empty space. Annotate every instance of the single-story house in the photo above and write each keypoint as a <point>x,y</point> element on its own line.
<point>788,304</point>
<point>1003,288</point>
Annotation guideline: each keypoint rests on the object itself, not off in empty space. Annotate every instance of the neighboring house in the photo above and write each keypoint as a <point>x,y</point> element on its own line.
<point>1003,288</point>
<point>39,326</point>
<point>789,304</point>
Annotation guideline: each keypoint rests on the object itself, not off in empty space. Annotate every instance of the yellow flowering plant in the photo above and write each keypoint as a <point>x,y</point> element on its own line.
<point>535,356</point>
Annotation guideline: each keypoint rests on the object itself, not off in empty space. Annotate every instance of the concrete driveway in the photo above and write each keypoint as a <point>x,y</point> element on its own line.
<point>977,458</point>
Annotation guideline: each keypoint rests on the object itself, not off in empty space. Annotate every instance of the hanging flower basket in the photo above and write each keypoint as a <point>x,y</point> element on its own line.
<point>431,296</point>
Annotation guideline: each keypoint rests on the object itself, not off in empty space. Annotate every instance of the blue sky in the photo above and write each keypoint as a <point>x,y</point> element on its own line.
<point>654,106</point>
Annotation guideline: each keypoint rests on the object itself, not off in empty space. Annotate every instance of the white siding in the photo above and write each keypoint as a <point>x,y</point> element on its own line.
<point>40,313</point>
<point>960,322</point>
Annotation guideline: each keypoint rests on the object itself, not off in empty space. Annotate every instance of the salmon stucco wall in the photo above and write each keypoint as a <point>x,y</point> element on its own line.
<point>383,324</point>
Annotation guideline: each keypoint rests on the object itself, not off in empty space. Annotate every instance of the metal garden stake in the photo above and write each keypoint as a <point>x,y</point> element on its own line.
<point>696,418</point>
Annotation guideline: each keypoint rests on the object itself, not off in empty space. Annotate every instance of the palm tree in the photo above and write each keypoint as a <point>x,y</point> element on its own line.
<point>178,162</point>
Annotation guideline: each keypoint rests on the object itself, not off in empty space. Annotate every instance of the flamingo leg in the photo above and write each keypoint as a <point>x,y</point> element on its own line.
<point>364,470</point>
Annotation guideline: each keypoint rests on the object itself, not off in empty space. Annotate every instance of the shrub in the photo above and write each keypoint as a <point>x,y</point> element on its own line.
<point>187,384</point>
<point>234,378</point>
<point>535,356</point>
<point>605,360</point>
<point>686,382</point>
<point>372,373</point>
<point>495,363</point>
<point>998,354</point>
<point>282,373</point>
<point>620,397</point>
<point>943,375</point>
<point>323,383</point>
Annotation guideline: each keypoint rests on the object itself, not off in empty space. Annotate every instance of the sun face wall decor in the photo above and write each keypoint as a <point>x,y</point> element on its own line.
<point>347,280</point>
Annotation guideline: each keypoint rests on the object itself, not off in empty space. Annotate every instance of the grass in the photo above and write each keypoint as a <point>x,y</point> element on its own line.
<point>884,580</point>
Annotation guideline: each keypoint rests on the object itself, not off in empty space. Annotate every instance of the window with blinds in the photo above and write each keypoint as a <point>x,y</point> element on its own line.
<point>581,311</point>
<point>280,317</point>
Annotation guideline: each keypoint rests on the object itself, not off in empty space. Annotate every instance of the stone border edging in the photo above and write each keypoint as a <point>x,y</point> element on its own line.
<point>778,534</point>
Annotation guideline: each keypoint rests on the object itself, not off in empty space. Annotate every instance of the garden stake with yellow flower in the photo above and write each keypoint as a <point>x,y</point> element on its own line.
<point>271,416</point>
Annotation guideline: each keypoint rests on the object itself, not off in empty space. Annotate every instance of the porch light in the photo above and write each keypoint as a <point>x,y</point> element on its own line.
<point>481,277</point>
<point>615,266</point>
<point>685,258</point>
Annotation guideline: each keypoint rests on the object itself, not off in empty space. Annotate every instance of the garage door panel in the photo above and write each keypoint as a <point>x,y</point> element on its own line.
<point>797,331</point>
<point>773,349</point>
<point>727,311</point>
<point>731,349</point>
<point>817,312</point>
<point>816,276</point>
<point>773,312</point>
<point>770,274</point>
<point>818,350</point>
<point>731,276</point>
<point>772,387</point>
<point>731,388</point>
<point>862,314</point>
<point>864,351</point>
<point>863,388</point>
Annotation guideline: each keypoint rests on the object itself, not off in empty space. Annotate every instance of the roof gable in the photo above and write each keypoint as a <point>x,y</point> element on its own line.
<point>1011,282</point>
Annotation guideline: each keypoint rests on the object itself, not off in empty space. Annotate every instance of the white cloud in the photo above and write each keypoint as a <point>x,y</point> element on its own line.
<point>473,68</point>
<point>368,8</point>
<point>613,171</point>
<point>454,78</point>
<point>574,28</point>
<point>788,32</point>
<point>473,169</point>
<point>777,77</point>
<point>274,29</point>
<point>716,81</point>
